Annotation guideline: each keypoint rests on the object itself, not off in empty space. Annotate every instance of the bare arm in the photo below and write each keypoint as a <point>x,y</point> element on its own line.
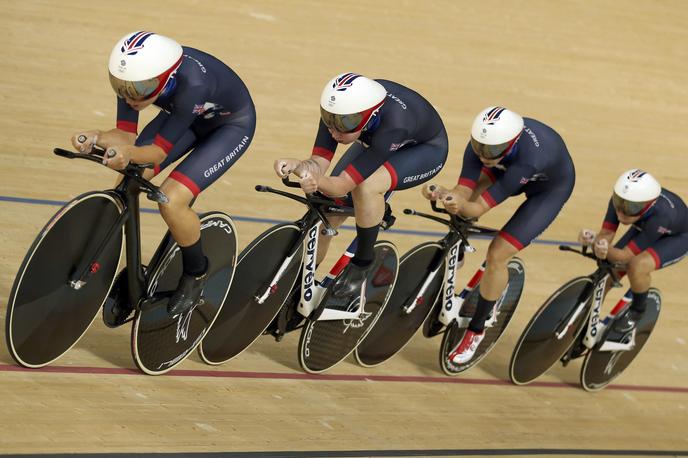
<point>136,154</point>
<point>623,255</point>
<point>336,186</point>
<point>474,209</point>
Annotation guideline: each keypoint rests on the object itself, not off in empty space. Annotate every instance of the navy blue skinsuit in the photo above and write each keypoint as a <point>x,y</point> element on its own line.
<point>205,107</point>
<point>662,231</point>
<point>540,166</point>
<point>407,137</point>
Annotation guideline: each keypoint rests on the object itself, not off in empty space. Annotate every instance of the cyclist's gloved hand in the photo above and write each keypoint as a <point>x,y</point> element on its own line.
<point>85,141</point>
<point>452,201</point>
<point>601,248</point>
<point>586,237</point>
<point>283,167</point>
<point>117,157</point>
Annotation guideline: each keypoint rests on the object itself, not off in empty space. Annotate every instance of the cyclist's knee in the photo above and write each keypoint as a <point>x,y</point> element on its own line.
<point>499,253</point>
<point>179,197</point>
<point>641,264</point>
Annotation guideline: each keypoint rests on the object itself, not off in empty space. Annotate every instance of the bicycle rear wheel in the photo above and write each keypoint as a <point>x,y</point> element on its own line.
<point>323,344</point>
<point>395,328</point>
<point>601,367</point>
<point>46,316</point>
<point>538,348</point>
<point>160,342</point>
<point>506,308</point>
<point>242,319</point>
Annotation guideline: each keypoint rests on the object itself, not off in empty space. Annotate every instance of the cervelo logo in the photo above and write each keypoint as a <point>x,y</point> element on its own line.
<point>134,43</point>
<point>344,82</point>
<point>309,273</point>
<point>217,223</point>
<point>599,292</point>
<point>451,271</point>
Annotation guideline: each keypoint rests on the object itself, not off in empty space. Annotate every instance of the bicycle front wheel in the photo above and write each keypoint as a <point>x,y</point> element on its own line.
<point>46,313</point>
<point>395,327</point>
<point>242,319</point>
<point>539,348</point>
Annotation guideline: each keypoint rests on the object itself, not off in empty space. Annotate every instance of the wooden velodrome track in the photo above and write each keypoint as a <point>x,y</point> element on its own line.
<point>609,76</point>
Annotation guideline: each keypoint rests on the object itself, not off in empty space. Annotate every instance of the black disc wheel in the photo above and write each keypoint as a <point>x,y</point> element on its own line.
<point>539,347</point>
<point>505,308</point>
<point>323,344</point>
<point>396,326</point>
<point>48,311</point>
<point>601,367</point>
<point>159,341</point>
<point>242,319</point>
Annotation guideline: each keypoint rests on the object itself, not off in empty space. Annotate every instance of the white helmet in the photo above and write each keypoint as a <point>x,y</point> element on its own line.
<point>635,192</point>
<point>141,64</point>
<point>349,101</point>
<point>494,131</point>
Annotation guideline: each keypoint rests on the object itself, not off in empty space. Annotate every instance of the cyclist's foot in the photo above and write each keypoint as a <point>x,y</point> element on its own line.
<point>467,347</point>
<point>627,321</point>
<point>347,293</point>
<point>350,282</point>
<point>188,293</point>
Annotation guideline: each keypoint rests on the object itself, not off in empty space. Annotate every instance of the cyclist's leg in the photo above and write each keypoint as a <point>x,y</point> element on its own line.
<point>211,157</point>
<point>408,167</point>
<point>664,252</point>
<point>324,241</point>
<point>530,220</point>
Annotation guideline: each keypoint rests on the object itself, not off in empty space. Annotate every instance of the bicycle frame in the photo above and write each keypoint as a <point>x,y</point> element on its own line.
<point>128,191</point>
<point>455,244</point>
<point>310,225</point>
<point>594,331</point>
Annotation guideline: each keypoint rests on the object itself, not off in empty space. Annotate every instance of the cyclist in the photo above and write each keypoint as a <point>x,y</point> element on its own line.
<point>397,140</point>
<point>657,237</point>
<point>204,107</point>
<point>507,155</point>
